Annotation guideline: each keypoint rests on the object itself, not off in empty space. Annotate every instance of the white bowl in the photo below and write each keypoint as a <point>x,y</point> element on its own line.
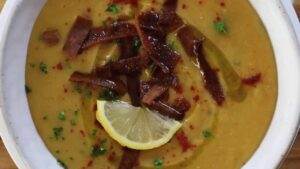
<point>26,146</point>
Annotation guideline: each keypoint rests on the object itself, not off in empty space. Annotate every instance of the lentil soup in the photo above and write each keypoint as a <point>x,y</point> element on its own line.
<point>210,67</point>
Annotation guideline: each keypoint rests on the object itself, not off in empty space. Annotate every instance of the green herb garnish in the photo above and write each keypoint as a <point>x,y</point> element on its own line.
<point>220,27</point>
<point>62,116</point>
<point>113,8</point>
<point>94,132</point>
<point>99,150</point>
<point>108,95</point>
<point>136,44</point>
<point>27,89</point>
<point>57,131</point>
<point>158,163</point>
<point>43,68</point>
<point>207,134</point>
<point>62,164</point>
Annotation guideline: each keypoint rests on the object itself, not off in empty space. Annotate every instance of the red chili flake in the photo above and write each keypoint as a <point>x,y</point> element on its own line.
<point>184,6</point>
<point>153,1</point>
<point>82,133</point>
<point>193,88</point>
<point>192,127</point>
<point>90,163</point>
<point>222,4</point>
<point>196,98</point>
<point>71,131</point>
<point>179,89</point>
<point>88,9</point>
<point>112,157</point>
<point>253,80</point>
<point>65,90</point>
<point>200,2</point>
<point>59,66</point>
<point>184,141</point>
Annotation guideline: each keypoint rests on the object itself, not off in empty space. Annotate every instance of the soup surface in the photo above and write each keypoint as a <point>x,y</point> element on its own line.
<point>217,132</point>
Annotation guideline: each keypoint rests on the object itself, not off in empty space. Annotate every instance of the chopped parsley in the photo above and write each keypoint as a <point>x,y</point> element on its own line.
<point>57,131</point>
<point>62,116</point>
<point>173,45</point>
<point>113,8</point>
<point>158,163</point>
<point>220,27</point>
<point>99,150</point>
<point>62,164</point>
<point>136,44</point>
<point>27,89</point>
<point>207,134</point>
<point>94,132</point>
<point>108,95</point>
<point>43,68</point>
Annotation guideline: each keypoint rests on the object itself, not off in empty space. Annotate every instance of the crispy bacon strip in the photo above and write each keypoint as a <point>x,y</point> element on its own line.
<point>93,80</point>
<point>77,35</point>
<point>153,93</point>
<point>133,84</point>
<point>167,110</point>
<point>129,66</point>
<point>129,159</point>
<point>193,46</point>
<point>169,20</point>
<point>154,42</point>
<point>115,31</point>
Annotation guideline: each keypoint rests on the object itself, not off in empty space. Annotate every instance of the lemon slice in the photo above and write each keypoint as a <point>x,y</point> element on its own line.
<point>135,127</point>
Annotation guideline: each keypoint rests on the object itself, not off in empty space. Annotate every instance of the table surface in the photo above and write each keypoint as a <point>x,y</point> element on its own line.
<point>292,161</point>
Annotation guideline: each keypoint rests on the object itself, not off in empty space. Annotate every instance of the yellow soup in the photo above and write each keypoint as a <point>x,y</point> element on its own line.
<point>220,136</point>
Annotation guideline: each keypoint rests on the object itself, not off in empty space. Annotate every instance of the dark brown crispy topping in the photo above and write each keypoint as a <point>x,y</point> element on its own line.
<point>166,110</point>
<point>182,105</point>
<point>130,159</point>
<point>51,37</point>
<point>94,81</point>
<point>129,66</point>
<point>153,93</point>
<point>76,36</point>
<point>169,20</point>
<point>154,42</point>
<point>115,31</point>
<point>193,46</point>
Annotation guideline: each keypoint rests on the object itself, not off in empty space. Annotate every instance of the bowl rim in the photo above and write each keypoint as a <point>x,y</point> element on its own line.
<point>286,20</point>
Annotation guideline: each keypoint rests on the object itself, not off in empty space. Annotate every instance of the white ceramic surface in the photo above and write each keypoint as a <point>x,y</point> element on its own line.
<point>25,145</point>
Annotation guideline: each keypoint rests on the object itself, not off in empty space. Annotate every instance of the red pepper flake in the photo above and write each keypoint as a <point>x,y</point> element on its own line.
<point>192,127</point>
<point>184,141</point>
<point>82,133</point>
<point>222,3</point>
<point>253,80</point>
<point>90,163</point>
<point>51,37</point>
<point>193,88</point>
<point>179,89</point>
<point>59,66</point>
<point>112,157</point>
<point>88,9</point>
<point>65,90</point>
<point>196,98</point>
<point>200,2</point>
<point>184,6</point>
<point>71,131</point>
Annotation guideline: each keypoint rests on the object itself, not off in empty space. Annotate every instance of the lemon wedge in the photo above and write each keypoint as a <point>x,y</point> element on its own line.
<point>135,127</point>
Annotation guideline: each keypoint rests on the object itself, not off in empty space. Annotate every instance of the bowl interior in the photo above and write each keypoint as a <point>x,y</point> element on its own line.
<point>27,148</point>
